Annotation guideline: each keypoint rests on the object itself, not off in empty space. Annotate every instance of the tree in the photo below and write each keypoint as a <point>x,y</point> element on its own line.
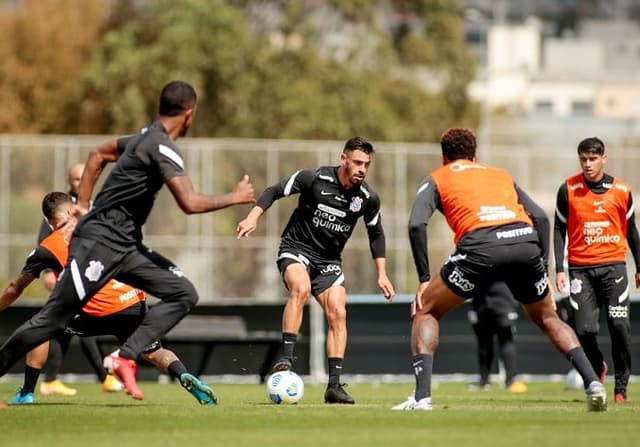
<point>40,63</point>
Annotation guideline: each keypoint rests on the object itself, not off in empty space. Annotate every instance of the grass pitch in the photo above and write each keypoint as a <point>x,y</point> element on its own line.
<point>548,415</point>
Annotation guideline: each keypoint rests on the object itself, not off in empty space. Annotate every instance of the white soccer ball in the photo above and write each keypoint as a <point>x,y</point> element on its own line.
<point>574,380</point>
<point>285,387</point>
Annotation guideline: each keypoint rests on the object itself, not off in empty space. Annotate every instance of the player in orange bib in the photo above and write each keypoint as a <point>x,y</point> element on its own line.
<point>595,216</point>
<point>494,222</point>
<point>116,309</point>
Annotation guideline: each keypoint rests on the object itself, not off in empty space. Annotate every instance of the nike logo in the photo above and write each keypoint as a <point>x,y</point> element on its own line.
<point>325,193</point>
<point>599,202</point>
<point>619,279</point>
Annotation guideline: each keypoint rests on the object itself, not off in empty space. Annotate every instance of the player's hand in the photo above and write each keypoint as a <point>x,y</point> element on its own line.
<point>244,191</point>
<point>562,285</point>
<point>416,304</point>
<point>80,210</point>
<point>246,227</point>
<point>387,288</point>
<point>637,280</point>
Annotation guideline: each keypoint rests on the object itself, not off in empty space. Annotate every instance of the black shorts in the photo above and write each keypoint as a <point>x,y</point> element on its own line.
<point>121,325</point>
<point>323,273</point>
<point>596,287</point>
<point>469,273</point>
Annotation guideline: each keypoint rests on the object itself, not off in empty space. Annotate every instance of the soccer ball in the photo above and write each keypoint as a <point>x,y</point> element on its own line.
<point>285,387</point>
<point>574,380</point>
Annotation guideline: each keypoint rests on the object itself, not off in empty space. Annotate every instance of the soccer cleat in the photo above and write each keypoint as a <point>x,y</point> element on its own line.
<point>56,387</point>
<point>203,394</point>
<point>412,404</point>
<point>284,364</point>
<point>596,397</point>
<point>111,384</point>
<point>518,387</point>
<point>337,395</point>
<point>605,370</point>
<point>20,399</point>
<point>621,397</point>
<point>125,371</point>
<point>406,405</point>
<point>478,386</point>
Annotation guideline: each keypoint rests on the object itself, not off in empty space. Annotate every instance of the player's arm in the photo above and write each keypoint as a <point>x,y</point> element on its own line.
<point>560,236</point>
<point>425,203</point>
<point>293,184</point>
<point>378,246</point>
<point>539,218</point>
<point>15,289</point>
<point>633,238</point>
<point>193,202</point>
<point>107,152</point>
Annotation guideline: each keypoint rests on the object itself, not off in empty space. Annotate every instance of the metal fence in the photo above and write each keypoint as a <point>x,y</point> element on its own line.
<point>205,246</point>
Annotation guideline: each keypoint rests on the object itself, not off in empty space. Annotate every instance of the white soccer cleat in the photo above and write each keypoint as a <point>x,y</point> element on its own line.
<point>406,405</point>
<point>596,397</point>
<point>423,404</point>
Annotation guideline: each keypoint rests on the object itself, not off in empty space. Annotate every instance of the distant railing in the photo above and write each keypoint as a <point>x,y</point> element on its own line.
<point>205,246</point>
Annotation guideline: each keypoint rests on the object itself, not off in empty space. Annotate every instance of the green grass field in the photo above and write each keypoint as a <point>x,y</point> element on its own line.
<point>548,415</point>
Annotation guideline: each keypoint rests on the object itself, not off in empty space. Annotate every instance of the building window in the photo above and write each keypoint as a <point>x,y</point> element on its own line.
<point>543,108</point>
<point>582,108</point>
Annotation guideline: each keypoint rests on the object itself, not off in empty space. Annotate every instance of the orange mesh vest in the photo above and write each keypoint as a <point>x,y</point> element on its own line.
<point>476,196</point>
<point>597,223</point>
<point>112,298</point>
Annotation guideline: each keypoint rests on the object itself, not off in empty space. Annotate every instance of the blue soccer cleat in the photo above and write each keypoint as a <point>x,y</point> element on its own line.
<point>203,393</point>
<point>20,399</point>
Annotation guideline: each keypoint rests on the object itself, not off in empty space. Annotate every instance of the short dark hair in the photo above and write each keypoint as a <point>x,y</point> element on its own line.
<point>360,144</point>
<point>593,145</point>
<point>52,201</point>
<point>175,97</point>
<point>458,143</point>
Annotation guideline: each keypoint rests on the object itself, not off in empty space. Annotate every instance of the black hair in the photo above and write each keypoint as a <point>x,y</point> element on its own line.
<point>52,201</point>
<point>593,145</point>
<point>175,97</point>
<point>458,143</point>
<point>359,143</point>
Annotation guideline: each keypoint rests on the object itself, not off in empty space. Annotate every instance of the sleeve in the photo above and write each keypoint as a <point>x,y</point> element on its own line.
<point>540,220</point>
<point>41,259</point>
<point>168,159</point>
<point>294,184</point>
<point>633,239</point>
<point>122,143</point>
<point>425,203</point>
<point>375,231</point>
<point>560,226</point>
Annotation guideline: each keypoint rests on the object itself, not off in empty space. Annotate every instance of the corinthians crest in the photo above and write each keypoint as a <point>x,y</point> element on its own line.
<point>356,204</point>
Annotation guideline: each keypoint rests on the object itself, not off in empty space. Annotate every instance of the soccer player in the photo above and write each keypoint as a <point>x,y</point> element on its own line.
<point>59,345</point>
<point>116,309</point>
<point>594,214</point>
<point>494,315</point>
<point>107,243</point>
<point>331,201</point>
<point>495,241</point>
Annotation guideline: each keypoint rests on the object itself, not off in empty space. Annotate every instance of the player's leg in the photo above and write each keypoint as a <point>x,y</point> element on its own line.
<point>333,301</point>
<point>615,292</point>
<point>296,279</point>
<point>94,356</point>
<point>156,275</point>
<point>484,339</point>
<point>436,301</point>
<point>51,385</point>
<point>169,363</point>
<point>543,315</point>
<point>34,362</point>
<point>587,315</point>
